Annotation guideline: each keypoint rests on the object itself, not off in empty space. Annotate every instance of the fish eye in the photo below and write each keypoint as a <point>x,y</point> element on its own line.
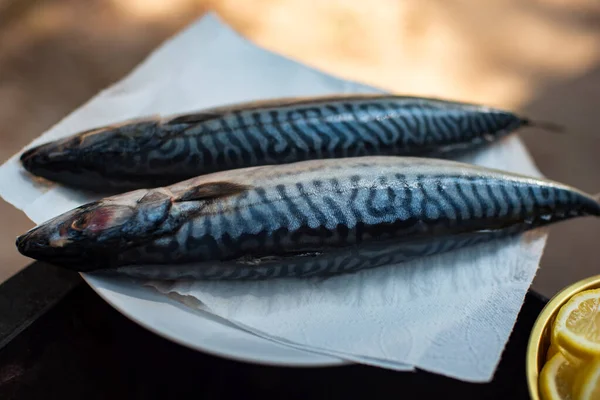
<point>81,223</point>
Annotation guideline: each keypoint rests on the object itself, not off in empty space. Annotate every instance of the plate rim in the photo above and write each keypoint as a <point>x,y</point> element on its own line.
<point>316,363</point>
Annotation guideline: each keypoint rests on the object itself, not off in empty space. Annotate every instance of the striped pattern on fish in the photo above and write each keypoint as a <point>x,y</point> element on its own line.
<point>310,218</point>
<point>157,152</point>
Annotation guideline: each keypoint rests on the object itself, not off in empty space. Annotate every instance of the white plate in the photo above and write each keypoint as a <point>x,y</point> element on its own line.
<point>196,329</point>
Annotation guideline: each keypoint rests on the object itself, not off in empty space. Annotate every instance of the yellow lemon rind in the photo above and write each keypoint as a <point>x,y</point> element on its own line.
<point>569,341</point>
<point>555,348</point>
<point>547,382</point>
<point>552,351</point>
<point>587,380</point>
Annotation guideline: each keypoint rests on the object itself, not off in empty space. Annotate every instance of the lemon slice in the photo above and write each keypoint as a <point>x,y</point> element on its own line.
<point>554,348</point>
<point>556,379</point>
<point>587,382</point>
<point>552,351</point>
<point>577,325</point>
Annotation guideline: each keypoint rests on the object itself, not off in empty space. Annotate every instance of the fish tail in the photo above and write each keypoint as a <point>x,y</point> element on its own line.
<point>545,125</point>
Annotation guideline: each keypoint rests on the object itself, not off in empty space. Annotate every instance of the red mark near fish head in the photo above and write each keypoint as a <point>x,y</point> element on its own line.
<point>101,218</point>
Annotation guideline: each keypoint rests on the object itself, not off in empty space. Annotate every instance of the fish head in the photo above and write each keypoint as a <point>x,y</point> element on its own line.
<point>94,152</point>
<point>91,236</point>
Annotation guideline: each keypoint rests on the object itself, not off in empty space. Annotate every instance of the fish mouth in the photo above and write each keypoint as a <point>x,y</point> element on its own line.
<point>28,154</point>
<point>41,249</point>
<point>30,158</point>
<point>43,156</point>
<point>38,246</point>
<point>32,245</point>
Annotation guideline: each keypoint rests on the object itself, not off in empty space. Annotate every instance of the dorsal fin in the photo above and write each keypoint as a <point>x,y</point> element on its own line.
<point>150,119</point>
<point>211,190</point>
<point>219,111</point>
<point>194,118</point>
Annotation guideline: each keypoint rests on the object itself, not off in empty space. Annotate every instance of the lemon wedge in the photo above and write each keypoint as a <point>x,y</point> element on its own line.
<point>577,325</point>
<point>556,379</point>
<point>587,382</point>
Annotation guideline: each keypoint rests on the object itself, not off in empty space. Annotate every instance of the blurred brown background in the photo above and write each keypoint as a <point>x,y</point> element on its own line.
<point>540,57</point>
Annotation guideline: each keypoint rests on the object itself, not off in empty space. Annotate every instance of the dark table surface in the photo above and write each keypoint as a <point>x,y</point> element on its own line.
<point>59,340</point>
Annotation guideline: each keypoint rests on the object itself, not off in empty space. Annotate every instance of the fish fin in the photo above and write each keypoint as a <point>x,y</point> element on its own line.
<point>154,196</point>
<point>219,111</point>
<point>545,125</point>
<point>194,118</point>
<point>211,190</point>
<point>148,119</point>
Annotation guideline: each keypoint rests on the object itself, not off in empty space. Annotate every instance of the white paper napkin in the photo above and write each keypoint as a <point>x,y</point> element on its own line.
<point>451,314</point>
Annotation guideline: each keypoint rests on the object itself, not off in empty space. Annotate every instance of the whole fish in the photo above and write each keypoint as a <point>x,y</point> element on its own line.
<point>156,152</point>
<point>311,218</point>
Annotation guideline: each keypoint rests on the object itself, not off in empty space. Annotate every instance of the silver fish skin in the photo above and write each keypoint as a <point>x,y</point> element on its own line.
<point>311,218</point>
<point>156,152</point>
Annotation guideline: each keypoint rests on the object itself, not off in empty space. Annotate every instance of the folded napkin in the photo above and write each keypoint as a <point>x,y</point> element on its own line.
<point>450,314</point>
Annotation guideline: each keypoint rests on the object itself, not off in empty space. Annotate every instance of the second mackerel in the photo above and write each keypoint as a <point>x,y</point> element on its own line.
<point>157,152</point>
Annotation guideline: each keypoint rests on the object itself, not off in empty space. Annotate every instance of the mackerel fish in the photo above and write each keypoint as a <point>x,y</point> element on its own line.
<point>304,219</point>
<point>155,152</point>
